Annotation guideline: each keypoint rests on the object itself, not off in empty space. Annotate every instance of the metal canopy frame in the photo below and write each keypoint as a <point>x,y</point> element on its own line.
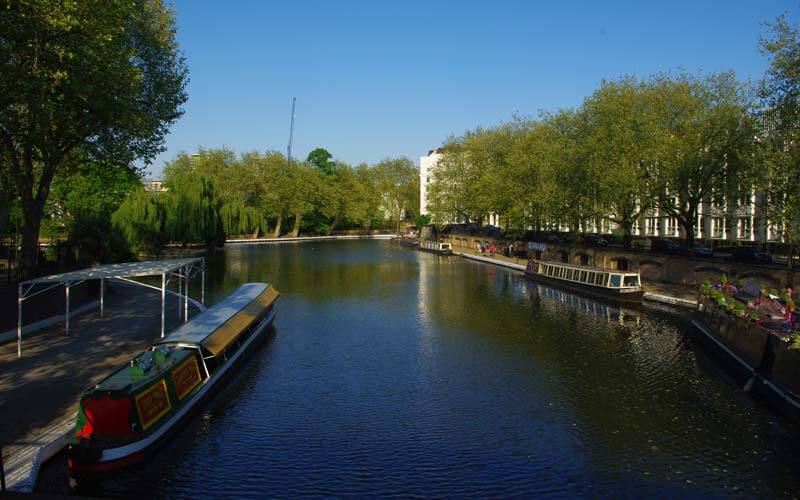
<point>180,270</point>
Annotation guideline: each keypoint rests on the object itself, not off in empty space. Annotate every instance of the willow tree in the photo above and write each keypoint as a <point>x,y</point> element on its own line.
<point>192,208</point>
<point>140,218</point>
<point>97,79</point>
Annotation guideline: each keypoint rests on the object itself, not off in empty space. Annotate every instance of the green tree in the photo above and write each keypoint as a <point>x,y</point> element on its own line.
<point>780,92</point>
<point>321,158</point>
<point>619,142</point>
<point>92,80</point>
<point>81,204</point>
<point>397,179</point>
<point>141,219</point>
<point>455,192</point>
<point>705,142</point>
<point>192,205</point>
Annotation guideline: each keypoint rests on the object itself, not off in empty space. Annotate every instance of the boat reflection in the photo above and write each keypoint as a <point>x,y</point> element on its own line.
<point>611,313</point>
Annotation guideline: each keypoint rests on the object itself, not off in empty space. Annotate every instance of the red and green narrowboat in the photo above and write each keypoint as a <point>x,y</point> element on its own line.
<point>134,409</point>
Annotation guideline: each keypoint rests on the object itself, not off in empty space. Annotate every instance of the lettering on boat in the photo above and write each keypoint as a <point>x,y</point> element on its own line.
<point>153,403</point>
<point>186,377</point>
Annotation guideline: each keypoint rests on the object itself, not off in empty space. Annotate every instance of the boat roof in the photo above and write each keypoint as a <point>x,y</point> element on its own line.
<point>203,325</point>
<point>585,268</point>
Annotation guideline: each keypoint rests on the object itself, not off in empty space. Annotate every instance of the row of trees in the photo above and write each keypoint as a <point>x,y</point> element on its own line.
<point>668,142</point>
<point>90,88</point>
<point>214,193</point>
<point>634,145</point>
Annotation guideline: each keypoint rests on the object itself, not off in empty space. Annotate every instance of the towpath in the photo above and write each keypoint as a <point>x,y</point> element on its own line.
<point>39,391</point>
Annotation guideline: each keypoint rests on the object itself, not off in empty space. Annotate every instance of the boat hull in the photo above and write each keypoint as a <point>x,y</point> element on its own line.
<point>89,464</point>
<point>608,294</point>
<point>754,357</point>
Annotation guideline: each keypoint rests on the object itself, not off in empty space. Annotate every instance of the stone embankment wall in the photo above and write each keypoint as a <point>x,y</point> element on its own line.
<point>652,267</point>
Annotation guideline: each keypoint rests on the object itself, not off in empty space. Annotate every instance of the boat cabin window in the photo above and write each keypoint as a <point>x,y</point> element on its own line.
<point>631,280</point>
<point>616,279</point>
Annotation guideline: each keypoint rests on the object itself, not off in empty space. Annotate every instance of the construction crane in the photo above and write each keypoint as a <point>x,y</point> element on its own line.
<point>291,133</point>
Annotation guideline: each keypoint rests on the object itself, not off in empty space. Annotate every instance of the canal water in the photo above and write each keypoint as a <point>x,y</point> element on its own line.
<point>396,372</point>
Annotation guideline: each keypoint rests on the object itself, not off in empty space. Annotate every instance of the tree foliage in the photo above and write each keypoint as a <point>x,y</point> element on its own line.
<point>780,135</point>
<point>93,80</point>
<point>668,142</point>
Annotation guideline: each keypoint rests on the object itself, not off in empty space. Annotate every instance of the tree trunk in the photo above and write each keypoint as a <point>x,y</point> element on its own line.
<point>256,232</point>
<point>32,222</point>
<point>627,239</point>
<point>296,229</point>
<point>688,227</point>
<point>335,222</point>
<point>4,210</point>
<point>277,232</point>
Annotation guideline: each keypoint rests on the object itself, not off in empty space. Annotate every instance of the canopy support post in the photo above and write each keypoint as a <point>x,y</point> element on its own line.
<point>66,311</point>
<point>19,320</point>
<point>102,296</point>
<point>163,302</point>
<point>180,289</point>
<point>186,297</point>
<point>203,281</point>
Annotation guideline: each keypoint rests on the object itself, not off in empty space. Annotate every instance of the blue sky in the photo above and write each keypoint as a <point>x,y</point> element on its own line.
<point>383,79</point>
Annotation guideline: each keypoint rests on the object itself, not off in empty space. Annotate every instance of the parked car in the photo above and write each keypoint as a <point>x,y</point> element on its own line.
<point>664,245</point>
<point>701,250</point>
<point>751,254</point>
<point>594,240</point>
<point>547,238</point>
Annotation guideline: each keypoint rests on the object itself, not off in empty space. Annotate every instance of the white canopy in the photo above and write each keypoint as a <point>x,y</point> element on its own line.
<point>180,269</point>
<point>122,270</point>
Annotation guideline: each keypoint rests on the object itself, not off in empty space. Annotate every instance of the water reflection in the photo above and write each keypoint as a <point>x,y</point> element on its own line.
<point>608,312</point>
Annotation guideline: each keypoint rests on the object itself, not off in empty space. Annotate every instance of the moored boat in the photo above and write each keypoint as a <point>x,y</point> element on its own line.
<point>132,410</point>
<point>436,247</point>
<point>620,286</point>
<point>750,334</point>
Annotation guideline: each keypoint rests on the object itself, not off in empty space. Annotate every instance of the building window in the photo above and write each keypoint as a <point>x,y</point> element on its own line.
<point>745,199</point>
<point>651,226</point>
<point>717,227</point>
<point>672,226</point>
<point>775,232</point>
<point>745,228</point>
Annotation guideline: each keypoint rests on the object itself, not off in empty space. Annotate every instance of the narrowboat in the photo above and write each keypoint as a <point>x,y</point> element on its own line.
<point>609,284</point>
<point>754,344</point>
<point>407,242</point>
<point>436,247</point>
<point>130,412</point>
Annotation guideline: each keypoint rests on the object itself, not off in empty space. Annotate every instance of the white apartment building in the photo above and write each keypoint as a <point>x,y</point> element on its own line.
<point>426,164</point>
<point>154,186</point>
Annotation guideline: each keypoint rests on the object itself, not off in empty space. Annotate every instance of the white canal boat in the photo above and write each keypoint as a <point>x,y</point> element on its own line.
<point>610,284</point>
